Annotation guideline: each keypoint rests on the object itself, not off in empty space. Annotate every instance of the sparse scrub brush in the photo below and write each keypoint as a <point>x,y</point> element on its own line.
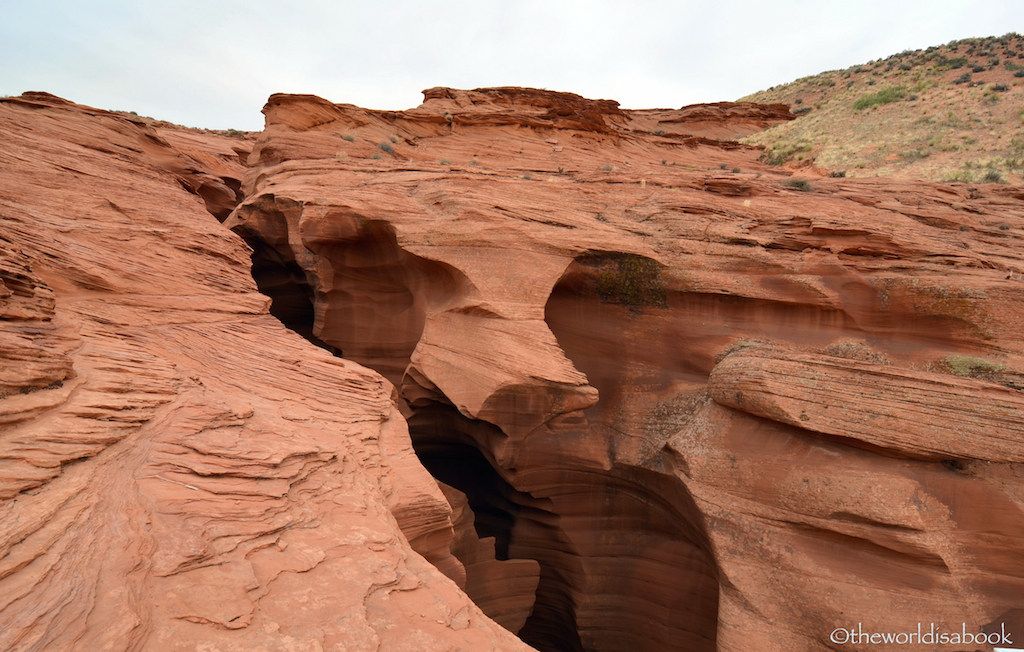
<point>798,184</point>
<point>968,367</point>
<point>884,96</point>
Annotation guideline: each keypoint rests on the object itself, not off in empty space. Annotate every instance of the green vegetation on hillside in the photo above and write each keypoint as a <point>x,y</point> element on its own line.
<point>947,113</point>
<point>887,96</point>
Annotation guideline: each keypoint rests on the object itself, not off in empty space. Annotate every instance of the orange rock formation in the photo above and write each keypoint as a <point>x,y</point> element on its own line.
<point>677,400</point>
<point>179,471</point>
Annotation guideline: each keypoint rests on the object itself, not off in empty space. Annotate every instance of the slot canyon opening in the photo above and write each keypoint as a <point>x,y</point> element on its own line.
<point>523,526</point>
<point>368,303</point>
<point>625,563</point>
<point>291,298</point>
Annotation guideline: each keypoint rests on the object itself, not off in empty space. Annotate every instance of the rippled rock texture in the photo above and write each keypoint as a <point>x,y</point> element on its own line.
<point>178,471</point>
<point>673,399</point>
<point>715,404</point>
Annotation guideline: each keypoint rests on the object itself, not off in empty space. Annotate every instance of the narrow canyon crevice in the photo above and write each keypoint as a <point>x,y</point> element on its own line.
<point>523,526</point>
<point>291,296</point>
<point>624,561</point>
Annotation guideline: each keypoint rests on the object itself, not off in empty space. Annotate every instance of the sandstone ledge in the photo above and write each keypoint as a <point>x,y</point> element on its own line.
<point>915,413</point>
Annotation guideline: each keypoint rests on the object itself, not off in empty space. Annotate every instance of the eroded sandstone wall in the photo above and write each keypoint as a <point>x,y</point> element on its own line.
<point>679,401</point>
<point>178,471</point>
<point>707,400</point>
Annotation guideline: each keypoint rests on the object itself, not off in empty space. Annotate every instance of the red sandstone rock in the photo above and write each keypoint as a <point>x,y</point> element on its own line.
<point>550,285</point>
<point>504,589</point>
<point>549,282</point>
<point>177,470</point>
<point>918,414</point>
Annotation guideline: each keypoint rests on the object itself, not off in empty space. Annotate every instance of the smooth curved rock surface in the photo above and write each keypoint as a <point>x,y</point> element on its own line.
<point>504,589</point>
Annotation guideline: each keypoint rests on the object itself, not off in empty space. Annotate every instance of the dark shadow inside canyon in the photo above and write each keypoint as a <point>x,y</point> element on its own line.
<point>523,526</point>
<point>624,561</point>
<point>290,295</point>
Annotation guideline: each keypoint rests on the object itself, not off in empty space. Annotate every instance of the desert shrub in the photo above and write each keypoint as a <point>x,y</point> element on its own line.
<point>723,166</point>
<point>633,281</point>
<point>528,176</point>
<point>801,110</point>
<point>992,177</point>
<point>962,176</point>
<point>956,466</point>
<point>735,170</point>
<point>968,367</point>
<point>978,69</point>
<point>837,174</point>
<point>1004,227</point>
<point>393,138</point>
<point>741,345</point>
<point>853,350</point>
<point>349,137</point>
<point>963,79</point>
<point>1019,73</point>
<point>606,168</point>
<point>884,96</point>
<point>375,156</point>
<point>386,146</point>
<point>798,184</point>
<point>1001,88</point>
<point>445,161</point>
<point>782,152</point>
<point>915,154</point>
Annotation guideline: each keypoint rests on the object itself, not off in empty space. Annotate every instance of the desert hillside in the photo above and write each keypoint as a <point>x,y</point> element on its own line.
<point>512,369</point>
<point>953,112</point>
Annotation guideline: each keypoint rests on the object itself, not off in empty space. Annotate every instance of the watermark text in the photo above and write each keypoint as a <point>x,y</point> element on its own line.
<point>923,635</point>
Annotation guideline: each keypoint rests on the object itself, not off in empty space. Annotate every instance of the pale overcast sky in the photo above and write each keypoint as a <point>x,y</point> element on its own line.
<point>212,63</point>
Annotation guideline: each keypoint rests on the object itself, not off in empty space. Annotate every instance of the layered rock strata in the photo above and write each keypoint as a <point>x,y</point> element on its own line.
<point>554,285</point>
<point>611,334</point>
<point>912,413</point>
<point>178,471</point>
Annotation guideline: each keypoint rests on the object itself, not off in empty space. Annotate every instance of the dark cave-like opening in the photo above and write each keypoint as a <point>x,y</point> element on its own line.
<point>290,295</point>
<point>624,563</point>
<point>443,440</point>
